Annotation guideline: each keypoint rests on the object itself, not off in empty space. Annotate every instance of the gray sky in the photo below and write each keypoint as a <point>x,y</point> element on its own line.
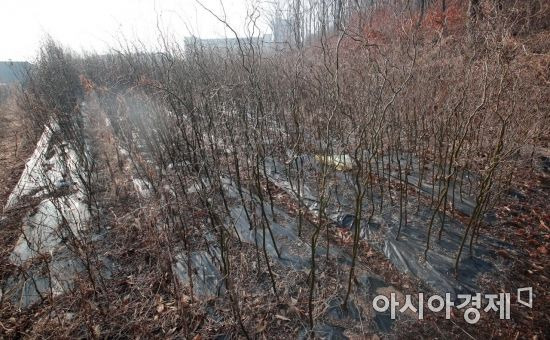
<point>99,24</point>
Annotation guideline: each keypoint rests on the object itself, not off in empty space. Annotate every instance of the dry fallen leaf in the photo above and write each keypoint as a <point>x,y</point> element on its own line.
<point>185,299</point>
<point>503,253</point>
<point>160,308</point>
<point>280,317</point>
<point>97,331</point>
<point>261,327</point>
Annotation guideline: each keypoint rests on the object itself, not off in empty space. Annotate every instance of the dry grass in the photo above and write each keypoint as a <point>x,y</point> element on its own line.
<point>15,145</point>
<point>142,297</point>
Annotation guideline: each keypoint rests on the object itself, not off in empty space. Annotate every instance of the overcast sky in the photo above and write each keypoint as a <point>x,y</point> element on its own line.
<point>99,24</point>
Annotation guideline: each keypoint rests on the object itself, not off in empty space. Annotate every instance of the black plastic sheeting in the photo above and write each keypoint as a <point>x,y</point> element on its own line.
<point>207,279</point>
<point>293,251</point>
<point>369,286</point>
<point>295,255</point>
<point>407,252</point>
<point>34,283</point>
